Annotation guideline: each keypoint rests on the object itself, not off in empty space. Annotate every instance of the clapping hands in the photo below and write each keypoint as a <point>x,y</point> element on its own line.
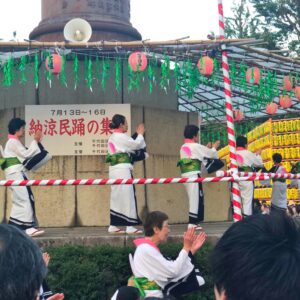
<point>193,242</point>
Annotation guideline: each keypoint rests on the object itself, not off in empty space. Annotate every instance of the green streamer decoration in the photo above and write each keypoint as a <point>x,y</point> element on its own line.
<point>242,75</point>
<point>177,76</point>
<point>36,70</point>
<point>22,69</point>
<point>105,69</point>
<point>75,71</point>
<point>62,74</point>
<point>48,73</point>
<point>165,73</point>
<point>118,74</point>
<point>7,72</point>
<point>150,75</point>
<point>88,72</point>
<point>97,69</point>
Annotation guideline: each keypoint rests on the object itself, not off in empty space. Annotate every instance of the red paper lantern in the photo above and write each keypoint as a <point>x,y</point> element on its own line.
<point>271,108</point>
<point>205,65</point>
<point>297,92</point>
<point>253,75</point>
<point>54,63</point>
<point>137,61</point>
<point>238,115</point>
<point>285,101</point>
<point>288,83</point>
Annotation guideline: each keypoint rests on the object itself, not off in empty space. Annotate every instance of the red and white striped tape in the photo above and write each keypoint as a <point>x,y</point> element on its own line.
<point>257,174</point>
<point>106,181</point>
<point>236,197</point>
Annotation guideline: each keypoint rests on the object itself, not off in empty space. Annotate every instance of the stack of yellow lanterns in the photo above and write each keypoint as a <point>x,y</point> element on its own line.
<point>273,136</point>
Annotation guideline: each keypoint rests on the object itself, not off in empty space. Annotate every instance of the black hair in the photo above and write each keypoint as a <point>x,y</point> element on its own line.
<point>277,158</point>
<point>22,268</point>
<point>117,121</point>
<point>241,141</point>
<point>190,131</point>
<point>154,219</point>
<point>15,124</point>
<point>261,246</point>
<point>128,293</point>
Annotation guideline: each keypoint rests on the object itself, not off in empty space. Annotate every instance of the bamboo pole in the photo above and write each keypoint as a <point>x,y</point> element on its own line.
<point>106,44</point>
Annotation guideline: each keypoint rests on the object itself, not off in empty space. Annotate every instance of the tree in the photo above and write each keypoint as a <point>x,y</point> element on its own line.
<point>283,18</point>
<point>277,22</point>
<point>246,23</point>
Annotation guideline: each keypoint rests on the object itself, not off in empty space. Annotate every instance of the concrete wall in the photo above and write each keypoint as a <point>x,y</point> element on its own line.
<point>89,205</point>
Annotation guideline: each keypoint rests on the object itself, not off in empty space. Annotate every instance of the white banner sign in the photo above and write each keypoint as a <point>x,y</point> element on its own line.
<point>73,129</point>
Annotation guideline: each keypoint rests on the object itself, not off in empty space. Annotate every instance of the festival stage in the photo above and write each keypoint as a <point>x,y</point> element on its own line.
<point>92,236</point>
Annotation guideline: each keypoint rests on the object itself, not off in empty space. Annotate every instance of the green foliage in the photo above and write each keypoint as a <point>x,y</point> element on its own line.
<point>94,273</point>
<point>283,16</point>
<point>277,22</point>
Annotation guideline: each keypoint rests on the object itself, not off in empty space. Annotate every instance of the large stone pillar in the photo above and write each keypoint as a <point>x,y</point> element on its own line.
<point>110,19</point>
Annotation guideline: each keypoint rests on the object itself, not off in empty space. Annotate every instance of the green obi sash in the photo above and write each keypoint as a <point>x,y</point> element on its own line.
<point>189,165</point>
<point>245,169</point>
<point>118,158</point>
<point>142,284</point>
<point>8,162</point>
<point>279,180</point>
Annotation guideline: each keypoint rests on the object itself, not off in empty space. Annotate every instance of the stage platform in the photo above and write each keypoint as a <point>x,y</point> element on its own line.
<point>91,236</point>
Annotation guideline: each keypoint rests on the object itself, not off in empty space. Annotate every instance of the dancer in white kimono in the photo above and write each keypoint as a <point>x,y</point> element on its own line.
<point>155,275</point>
<point>192,154</point>
<point>247,162</point>
<point>15,155</point>
<point>123,206</point>
<point>279,187</point>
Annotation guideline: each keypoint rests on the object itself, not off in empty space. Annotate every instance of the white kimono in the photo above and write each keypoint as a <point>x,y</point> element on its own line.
<point>194,190</point>
<point>148,262</point>
<point>22,212</point>
<point>123,206</point>
<point>279,197</point>
<point>247,159</point>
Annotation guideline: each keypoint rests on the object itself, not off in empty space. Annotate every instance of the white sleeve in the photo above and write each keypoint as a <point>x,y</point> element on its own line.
<point>132,145</point>
<point>256,160</point>
<point>203,151</point>
<point>161,268</point>
<point>22,152</point>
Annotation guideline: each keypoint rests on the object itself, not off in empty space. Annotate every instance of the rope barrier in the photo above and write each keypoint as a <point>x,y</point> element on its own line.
<point>129,181</point>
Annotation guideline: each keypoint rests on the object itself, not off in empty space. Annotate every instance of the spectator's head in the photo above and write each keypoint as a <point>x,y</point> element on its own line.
<point>277,158</point>
<point>156,225</point>
<point>119,122</point>
<point>128,293</point>
<point>258,258</point>
<point>191,132</point>
<point>241,141</point>
<point>16,125</point>
<point>22,268</point>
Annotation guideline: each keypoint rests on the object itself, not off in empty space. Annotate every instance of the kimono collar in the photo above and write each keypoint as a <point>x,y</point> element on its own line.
<point>189,141</point>
<point>12,136</point>
<point>119,130</point>
<point>141,241</point>
<point>241,148</point>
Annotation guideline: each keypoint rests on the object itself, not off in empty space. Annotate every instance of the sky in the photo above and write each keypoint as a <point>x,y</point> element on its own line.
<point>154,19</point>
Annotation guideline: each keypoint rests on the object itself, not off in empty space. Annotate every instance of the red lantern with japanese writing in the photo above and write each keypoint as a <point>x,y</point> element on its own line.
<point>238,115</point>
<point>137,61</point>
<point>285,101</point>
<point>205,65</point>
<point>54,63</point>
<point>297,92</point>
<point>271,108</point>
<point>253,75</point>
<point>288,83</point>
